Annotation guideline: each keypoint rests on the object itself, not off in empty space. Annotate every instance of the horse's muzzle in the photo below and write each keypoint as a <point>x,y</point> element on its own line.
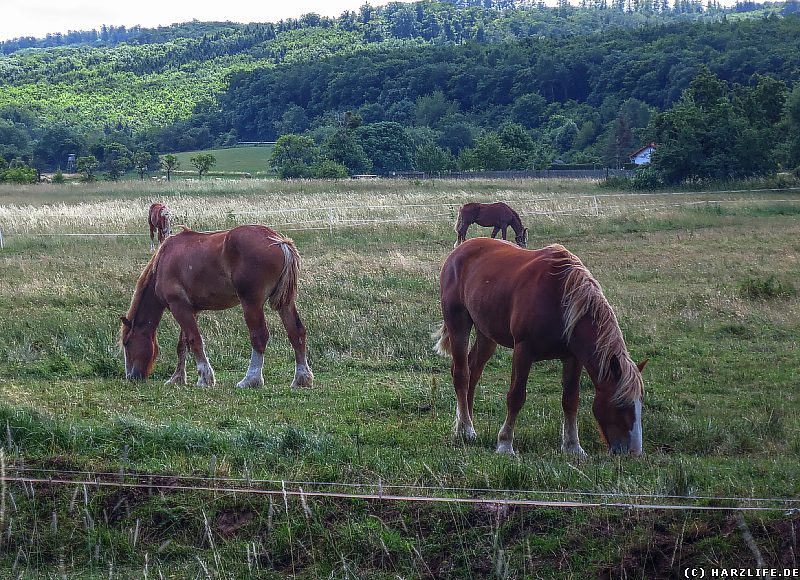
<point>134,375</point>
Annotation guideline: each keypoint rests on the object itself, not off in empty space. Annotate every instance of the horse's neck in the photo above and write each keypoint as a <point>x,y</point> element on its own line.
<point>150,309</point>
<point>516,224</point>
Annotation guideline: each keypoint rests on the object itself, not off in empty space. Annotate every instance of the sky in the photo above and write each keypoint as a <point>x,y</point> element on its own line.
<point>39,17</point>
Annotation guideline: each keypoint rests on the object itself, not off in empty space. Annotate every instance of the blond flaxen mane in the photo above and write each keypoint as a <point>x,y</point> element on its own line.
<point>583,296</point>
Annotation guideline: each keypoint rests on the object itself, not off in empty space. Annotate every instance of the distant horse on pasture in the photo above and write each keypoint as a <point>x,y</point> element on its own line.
<point>158,220</point>
<point>543,304</point>
<point>497,215</point>
<point>194,271</point>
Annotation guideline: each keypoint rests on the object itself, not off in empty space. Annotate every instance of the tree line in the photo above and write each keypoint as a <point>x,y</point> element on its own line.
<point>426,86</point>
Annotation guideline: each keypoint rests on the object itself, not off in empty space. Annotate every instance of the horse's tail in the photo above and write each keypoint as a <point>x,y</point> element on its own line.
<point>286,287</point>
<point>442,337</point>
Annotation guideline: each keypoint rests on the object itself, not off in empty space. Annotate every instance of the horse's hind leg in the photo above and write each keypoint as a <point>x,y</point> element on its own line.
<point>459,324</point>
<point>152,238</point>
<point>479,355</point>
<point>495,231</point>
<point>259,335</point>
<point>187,320</point>
<point>303,377</point>
<point>179,376</point>
<point>521,368</point>
<point>505,231</point>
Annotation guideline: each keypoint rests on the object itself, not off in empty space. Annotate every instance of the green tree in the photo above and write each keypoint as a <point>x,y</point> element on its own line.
<point>202,162</point>
<point>388,146</point>
<point>169,163</point>
<point>431,158</point>
<point>793,117</point>
<point>118,166</point>
<point>141,161</point>
<point>344,148</point>
<point>707,136</point>
<point>293,156</point>
<point>87,165</point>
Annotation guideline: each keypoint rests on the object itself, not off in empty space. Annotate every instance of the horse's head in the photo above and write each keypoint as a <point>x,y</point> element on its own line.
<point>140,348</point>
<point>165,227</point>
<point>522,239</point>
<point>619,417</point>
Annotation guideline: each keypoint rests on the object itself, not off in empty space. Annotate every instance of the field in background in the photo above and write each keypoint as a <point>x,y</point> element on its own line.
<point>252,160</point>
<point>705,285</point>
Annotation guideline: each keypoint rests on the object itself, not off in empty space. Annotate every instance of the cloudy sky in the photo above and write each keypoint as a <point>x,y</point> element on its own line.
<point>39,17</point>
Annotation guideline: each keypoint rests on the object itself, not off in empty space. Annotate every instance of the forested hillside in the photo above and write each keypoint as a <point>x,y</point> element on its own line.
<point>576,84</point>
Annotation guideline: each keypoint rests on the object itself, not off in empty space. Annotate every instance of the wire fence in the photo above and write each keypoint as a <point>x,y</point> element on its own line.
<point>408,493</point>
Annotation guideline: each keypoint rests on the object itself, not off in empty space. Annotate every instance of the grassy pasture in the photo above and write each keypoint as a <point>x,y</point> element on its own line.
<point>253,160</point>
<point>705,285</point>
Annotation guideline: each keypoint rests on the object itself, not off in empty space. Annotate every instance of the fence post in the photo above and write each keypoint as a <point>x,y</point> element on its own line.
<point>1,240</point>
<point>330,221</point>
<point>596,208</point>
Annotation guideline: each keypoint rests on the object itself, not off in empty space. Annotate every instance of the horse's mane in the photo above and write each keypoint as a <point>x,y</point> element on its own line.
<point>516,215</point>
<point>583,296</point>
<point>145,277</point>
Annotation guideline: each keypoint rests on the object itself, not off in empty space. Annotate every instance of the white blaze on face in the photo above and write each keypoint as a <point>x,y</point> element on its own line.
<point>635,435</point>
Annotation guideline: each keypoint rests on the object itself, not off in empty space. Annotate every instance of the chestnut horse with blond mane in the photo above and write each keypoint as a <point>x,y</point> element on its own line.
<point>158,220</point>
<point>544,304</point>
<point>497,215</point>
<point>194,271</point>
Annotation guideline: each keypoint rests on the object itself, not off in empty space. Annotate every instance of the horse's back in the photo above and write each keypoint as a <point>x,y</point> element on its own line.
<point>507,291</point>
<point>213,269</point>
<point>491,214</point>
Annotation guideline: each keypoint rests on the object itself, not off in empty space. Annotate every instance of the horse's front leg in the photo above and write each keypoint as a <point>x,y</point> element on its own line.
<point>570,443</point>
<point>152,238</point>
<point>505,231</point>
<point>303,377</point>
<point>179,376</point>
<point>259,335</point>
<point>187,319</point>
<point>495,231</point>
<point>521,368</point>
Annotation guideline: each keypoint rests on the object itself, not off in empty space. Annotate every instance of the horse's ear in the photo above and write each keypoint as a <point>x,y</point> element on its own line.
<point>642,364</point>
<point>125,321</point>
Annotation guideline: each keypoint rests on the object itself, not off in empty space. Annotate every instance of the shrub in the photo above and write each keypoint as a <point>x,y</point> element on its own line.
<point>769,287</point>
<point>615,182</point>
<point>647,179</point>
<point>328,169</point>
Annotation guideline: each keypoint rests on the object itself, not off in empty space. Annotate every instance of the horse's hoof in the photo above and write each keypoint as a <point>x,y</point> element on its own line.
<point>575,450</point>
<point>303,383</point>
<point>467,433</point>
<point>250,382</point>
<point>303,379</point>
<point>176,380</point>
<point>505,448</point>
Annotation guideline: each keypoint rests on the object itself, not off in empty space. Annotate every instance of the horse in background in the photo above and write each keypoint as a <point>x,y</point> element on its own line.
<point>194,271</point>
<point>158,220</point>
<point>498,215</point>
<point>543,304</point>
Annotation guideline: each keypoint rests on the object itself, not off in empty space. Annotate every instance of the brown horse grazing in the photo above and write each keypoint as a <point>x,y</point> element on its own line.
<point>497,215</point>
<point>158,220</point>
<point>544,304</point>
<point>193,271</point>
